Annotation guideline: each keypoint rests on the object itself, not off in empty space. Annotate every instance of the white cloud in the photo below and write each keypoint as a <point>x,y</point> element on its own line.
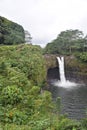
<point>46,18</point>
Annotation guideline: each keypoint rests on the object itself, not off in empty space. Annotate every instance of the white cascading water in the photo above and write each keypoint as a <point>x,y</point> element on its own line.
<point>63,82</point>
<point>61,69</point>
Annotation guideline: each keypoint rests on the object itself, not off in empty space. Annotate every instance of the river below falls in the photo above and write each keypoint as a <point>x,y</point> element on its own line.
<point>73,100</point>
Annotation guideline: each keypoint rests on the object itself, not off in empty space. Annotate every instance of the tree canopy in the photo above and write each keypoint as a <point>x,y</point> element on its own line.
<point>10,32</point>
<point>67,41</point>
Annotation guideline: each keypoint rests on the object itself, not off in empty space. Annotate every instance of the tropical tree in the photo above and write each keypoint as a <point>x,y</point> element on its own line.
<point>67,42</point>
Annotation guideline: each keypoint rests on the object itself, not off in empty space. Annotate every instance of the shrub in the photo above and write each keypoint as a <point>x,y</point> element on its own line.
<point>11,95</point>
<point>83,56</point>
<point>84,123</point>
<point>67,124</point>
<point>15,116</point>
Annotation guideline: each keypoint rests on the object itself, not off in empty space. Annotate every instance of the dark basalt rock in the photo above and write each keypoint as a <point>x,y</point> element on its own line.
<point>74,70</point>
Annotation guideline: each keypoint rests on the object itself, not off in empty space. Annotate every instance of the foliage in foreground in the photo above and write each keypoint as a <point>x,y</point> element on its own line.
<point>48,124</point>
<point>22,74</point>
<point>23,106</point>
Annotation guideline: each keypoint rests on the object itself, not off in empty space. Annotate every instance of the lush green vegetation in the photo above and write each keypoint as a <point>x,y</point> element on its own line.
<point>67,42</point>
<point>24,105</point>
<point>10,32</point>
<point>82,57</point>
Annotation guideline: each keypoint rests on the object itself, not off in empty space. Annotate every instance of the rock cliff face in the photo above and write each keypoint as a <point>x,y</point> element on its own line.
<point>51,61</point>
<point>52,67</point>
<point>74,69</point>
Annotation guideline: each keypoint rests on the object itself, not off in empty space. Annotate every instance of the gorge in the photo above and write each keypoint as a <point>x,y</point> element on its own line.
<point>73,95</point>
<point>75,71</point>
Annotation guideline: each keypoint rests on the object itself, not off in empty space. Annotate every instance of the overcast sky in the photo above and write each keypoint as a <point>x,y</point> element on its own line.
<point>45,19</point>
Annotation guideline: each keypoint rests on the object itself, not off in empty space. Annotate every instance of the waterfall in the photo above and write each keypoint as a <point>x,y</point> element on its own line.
<point>63,82</point>
<point>61,69</point>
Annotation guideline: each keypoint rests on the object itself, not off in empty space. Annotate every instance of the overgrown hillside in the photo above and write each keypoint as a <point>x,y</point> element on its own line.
<point>23,103</point>
<point>22,74</point>
<point>10,32</point>
<point>24,59</point>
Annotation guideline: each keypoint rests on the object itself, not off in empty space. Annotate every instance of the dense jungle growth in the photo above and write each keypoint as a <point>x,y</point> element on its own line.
<point>67,43</point>
<point>10,32</point>
<point>24,103</point>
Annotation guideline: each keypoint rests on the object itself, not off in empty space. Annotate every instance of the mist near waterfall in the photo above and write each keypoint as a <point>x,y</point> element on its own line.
<point>63,82</point>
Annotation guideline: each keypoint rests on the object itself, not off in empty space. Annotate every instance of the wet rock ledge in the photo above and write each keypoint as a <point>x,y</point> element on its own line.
<point>74,69</point>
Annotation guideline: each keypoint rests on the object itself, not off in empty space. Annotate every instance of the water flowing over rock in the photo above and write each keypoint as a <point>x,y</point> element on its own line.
<point>75,71</point>
<point>61,69</point>
<point>63,82</point>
